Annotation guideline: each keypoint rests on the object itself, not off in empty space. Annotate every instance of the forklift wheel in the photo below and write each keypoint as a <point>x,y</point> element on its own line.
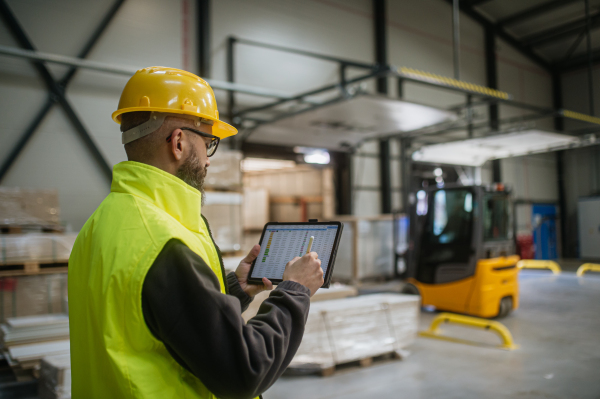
<point>410,289</point>
<point>506,305</point>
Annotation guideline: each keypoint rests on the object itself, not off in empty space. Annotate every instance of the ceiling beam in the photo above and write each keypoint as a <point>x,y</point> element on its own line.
<point>561,31</point>
<point>472,3</point>
<point>578,62</point>
<point>533,12</point>
<point>502,34</point>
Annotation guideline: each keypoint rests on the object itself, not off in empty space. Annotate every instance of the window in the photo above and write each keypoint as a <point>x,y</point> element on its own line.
<point>496,217</point>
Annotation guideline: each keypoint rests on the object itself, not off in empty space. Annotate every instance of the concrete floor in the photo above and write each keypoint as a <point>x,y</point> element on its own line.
<point>557,328</point>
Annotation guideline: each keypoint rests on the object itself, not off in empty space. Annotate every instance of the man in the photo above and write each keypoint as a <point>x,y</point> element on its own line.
<point>152,314</point>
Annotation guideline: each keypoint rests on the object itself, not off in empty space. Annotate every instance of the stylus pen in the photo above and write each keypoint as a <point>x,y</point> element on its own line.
<point>312,238</point>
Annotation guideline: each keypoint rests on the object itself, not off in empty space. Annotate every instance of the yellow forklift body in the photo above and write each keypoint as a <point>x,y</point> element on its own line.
<point>478,295</point>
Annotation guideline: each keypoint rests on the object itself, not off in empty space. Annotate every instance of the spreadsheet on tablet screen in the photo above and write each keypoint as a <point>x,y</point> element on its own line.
<point>281,243</point>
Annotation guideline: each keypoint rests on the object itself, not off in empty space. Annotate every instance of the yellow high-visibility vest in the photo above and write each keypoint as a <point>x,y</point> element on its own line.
<point>113,353</point>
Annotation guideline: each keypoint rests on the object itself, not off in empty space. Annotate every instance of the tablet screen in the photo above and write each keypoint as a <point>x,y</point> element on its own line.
<point>281,243</point>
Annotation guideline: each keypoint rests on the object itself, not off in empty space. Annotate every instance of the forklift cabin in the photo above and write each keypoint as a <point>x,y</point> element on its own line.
<point>463,252</point>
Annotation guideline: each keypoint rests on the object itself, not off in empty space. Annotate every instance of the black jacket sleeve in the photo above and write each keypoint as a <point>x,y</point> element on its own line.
<point>236,290</point>
<point>203,329</point>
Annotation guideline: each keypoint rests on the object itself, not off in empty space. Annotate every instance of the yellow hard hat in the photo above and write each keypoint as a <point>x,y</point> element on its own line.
<point>173,91</point>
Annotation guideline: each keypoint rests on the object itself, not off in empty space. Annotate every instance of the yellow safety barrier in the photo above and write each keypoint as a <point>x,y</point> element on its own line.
<point>539,264</point>
<point>476,322</point>
<point>591,267</point>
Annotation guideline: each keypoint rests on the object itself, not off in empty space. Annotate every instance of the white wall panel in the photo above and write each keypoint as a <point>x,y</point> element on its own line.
<point>143,33</point>
<point>339,28</point>
<point>532,177</point>
<point>151,32</point>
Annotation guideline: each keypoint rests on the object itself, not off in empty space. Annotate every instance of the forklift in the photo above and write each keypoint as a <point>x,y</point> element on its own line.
<point>463,254</point>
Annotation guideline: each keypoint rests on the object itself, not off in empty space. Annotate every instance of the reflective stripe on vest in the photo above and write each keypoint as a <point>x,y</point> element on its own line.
<point>113,353</point>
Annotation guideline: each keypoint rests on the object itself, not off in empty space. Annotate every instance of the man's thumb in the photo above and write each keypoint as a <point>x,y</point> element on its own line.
<point>252,254</point>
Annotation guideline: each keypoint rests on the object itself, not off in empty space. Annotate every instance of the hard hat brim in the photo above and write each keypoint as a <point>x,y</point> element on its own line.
<point>220,129</point>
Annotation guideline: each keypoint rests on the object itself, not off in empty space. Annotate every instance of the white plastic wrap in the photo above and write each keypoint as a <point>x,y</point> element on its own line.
<point>40,247</point>
<point>224,170</point>
<point>223,210</point>
<point>344,330</point>
<point>33,295</point>
<point>374,252</point>
<point>55,377</point>
<point>22,207</point>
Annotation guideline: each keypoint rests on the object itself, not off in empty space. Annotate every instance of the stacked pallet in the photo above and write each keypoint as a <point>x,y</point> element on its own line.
<point>336,291</point>
<point>26,340</point>
<point>223,202</point>
<point>55,377</point>
<point>356,329</point>
<point>28,209</point>
<point>295,194</point>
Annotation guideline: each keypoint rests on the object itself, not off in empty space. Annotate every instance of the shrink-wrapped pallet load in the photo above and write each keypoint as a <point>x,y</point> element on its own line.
<point>223,210</point>
<point>224,172</point>
<point>29,207</point>
<point>345,330</point>
<point>55,377</point>
<point>40,247</point>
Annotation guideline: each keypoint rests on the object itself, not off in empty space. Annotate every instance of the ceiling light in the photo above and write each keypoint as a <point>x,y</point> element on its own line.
<point>320,157</point>
<point>437,171</point>
<point>475,152</point>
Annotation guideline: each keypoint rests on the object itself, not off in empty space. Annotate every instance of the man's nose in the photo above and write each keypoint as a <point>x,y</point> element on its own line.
<point>207,162</point>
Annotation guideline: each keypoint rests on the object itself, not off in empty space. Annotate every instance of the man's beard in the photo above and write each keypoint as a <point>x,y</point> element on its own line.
<point>193,173</point>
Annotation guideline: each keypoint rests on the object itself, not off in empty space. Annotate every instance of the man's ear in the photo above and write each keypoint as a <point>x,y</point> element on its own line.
<point>176,140</point>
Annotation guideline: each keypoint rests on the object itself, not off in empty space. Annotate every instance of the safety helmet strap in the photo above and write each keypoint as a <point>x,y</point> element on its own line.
<point>156,120</point>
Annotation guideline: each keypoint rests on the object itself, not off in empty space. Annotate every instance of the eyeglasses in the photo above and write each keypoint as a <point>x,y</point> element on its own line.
<point>211,147</point>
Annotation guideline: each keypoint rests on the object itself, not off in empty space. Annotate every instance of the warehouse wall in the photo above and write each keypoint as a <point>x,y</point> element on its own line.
<point>155,32</point>
<point>581,166</point>
<point>144,32</point>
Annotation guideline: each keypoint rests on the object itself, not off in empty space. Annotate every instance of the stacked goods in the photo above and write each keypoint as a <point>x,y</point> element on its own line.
<point>255,208</point>
<point>366,248</point>
<point>36,247</point>
<point>224,172</point>
<point>29,356</point>
<point>223,210</point>
<point>55,377</point>
<point>34,329</point>
<point>336,291</point>
<point>33,295</point>
<point>296,194</point>
<point>28,208</point>
<point>26,340</point>
<point>360,328</point>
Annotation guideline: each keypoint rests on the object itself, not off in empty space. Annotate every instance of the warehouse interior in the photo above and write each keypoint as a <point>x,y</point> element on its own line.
<point>457,141</point>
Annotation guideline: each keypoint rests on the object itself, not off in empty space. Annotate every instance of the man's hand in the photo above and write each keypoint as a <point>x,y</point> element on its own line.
<point>242,274</point>
<point>306,271</point>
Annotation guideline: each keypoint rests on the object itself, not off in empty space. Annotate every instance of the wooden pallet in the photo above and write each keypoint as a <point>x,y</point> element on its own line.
<point>328,369</point>
<point>31,268</point>
<point>18,229</point>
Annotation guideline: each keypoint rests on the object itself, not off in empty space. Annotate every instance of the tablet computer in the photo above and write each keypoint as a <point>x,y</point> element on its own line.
<point>282,242</point>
